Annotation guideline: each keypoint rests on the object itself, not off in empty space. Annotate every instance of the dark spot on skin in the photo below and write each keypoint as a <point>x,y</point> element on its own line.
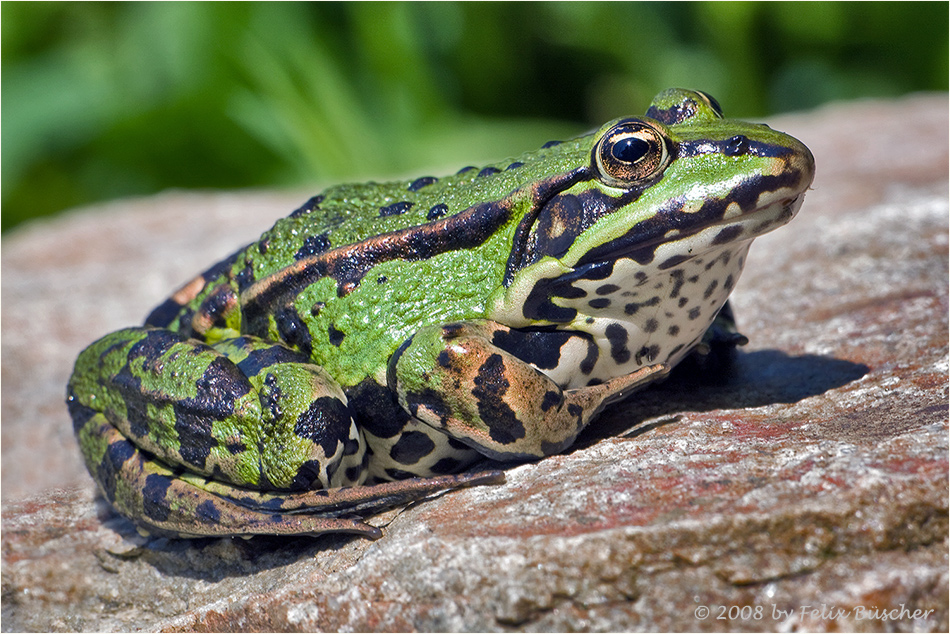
<point>257,360</point>
<point>648,353</point>
<point>431,401</point>
<point>607,289</point>
<point>274,504</point>
<point>154,502</point>
<point>724,258</point>
<point>593,353</point>
<point>727,285</point>
<point>221,384</point>
<point>316,308</point>
<point>395,209</point>
<point>694,313</point>
<point>556,228</point>
<point>551,144</point>
<point>78,412</point>
<point>672,262</point>
<point>675,113</point>
<point>633,307</point>
<point>207,513</point>
<point>164,314</point>
<point>467,168</point>
<point>313,245</point>
<point>673,331</point>
<point>452,330</point>
<point>541,348</point>
<point>600,302</point>
<point>551,399</point>
<point>419,183</point>
<point>437,211</point>
<point>117,454</point>
<point>736,146</point>
<point>538,304</point>
<point>457,444</point>
<point>677,283</point>
<point>218,304</point>
<point>710,289</point>
<point>490,388</point>
<point>292,330</point>
<point>651,325</point>
<point>245,277</point>
<point>352,474</point>
<point>308,206</point>
<point>399,474</point>
<point>443,359</point>
<point>307,476</point>
<point>411,447</point>
<point>334,336</point>
<point>326,423</point>
<point>382,279</point>
<point>514,166</point>
<point>262,246</point>
<point>221,269</point>
<point>727,235</point>
<point>682,301</point>
<point>488,171</point>
<point>445,466</point>
<point>351,446</point>
<point>617,336</point>
<point>154,345</point>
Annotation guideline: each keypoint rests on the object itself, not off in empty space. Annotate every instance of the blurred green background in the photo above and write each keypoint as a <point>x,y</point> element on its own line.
<point>102,100</point>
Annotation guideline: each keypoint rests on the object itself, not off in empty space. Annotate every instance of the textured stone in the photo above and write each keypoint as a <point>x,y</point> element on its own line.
<point>801,487</point>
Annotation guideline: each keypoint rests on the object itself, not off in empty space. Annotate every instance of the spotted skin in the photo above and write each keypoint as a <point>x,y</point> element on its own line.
<point>385,337</point>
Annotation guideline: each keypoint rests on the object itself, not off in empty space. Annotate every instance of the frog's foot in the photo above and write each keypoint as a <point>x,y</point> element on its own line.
<point>179,504</point>
<point>721,336</point>
<point>455,379</point>
<point>244,411</point>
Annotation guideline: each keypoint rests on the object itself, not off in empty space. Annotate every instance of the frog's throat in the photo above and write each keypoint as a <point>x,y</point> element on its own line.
<point>348,264</point>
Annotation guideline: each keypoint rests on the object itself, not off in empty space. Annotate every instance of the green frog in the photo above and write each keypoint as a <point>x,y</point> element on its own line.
<point>380,340</point>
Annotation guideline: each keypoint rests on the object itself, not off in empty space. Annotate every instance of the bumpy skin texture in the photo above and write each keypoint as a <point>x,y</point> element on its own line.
<point>386,336</point>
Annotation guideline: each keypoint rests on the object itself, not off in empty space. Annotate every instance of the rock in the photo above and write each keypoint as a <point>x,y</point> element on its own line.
<point>803,486</point>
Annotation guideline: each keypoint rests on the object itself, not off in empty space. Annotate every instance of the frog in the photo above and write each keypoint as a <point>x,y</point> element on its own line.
<point>382,341</point>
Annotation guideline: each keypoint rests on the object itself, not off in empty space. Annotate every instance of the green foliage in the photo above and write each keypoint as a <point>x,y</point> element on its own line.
<point>114,99</point>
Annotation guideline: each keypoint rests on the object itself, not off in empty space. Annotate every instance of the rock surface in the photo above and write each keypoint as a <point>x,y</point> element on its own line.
<point>803,488</point>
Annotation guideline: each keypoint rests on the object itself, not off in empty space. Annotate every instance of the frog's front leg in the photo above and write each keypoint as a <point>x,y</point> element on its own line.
<point>454,378</point>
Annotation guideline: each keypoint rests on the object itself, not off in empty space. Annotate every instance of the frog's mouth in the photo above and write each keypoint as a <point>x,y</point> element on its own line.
<point>694,232</point>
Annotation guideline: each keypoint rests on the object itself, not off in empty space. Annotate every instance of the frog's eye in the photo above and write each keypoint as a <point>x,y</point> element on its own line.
<point>630,151</point>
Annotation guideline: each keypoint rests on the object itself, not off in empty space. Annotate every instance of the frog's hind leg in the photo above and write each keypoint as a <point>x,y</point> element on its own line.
<point>174,503</point>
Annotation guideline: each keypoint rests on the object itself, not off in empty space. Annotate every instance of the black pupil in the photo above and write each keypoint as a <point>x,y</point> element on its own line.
<point>630,149</point>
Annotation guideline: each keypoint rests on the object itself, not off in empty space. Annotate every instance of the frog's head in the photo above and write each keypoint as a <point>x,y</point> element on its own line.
<point>653,192</point>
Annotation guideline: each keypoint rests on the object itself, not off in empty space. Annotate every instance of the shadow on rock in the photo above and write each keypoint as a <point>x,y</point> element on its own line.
<point>213,559</point>
<point>732,380</point>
